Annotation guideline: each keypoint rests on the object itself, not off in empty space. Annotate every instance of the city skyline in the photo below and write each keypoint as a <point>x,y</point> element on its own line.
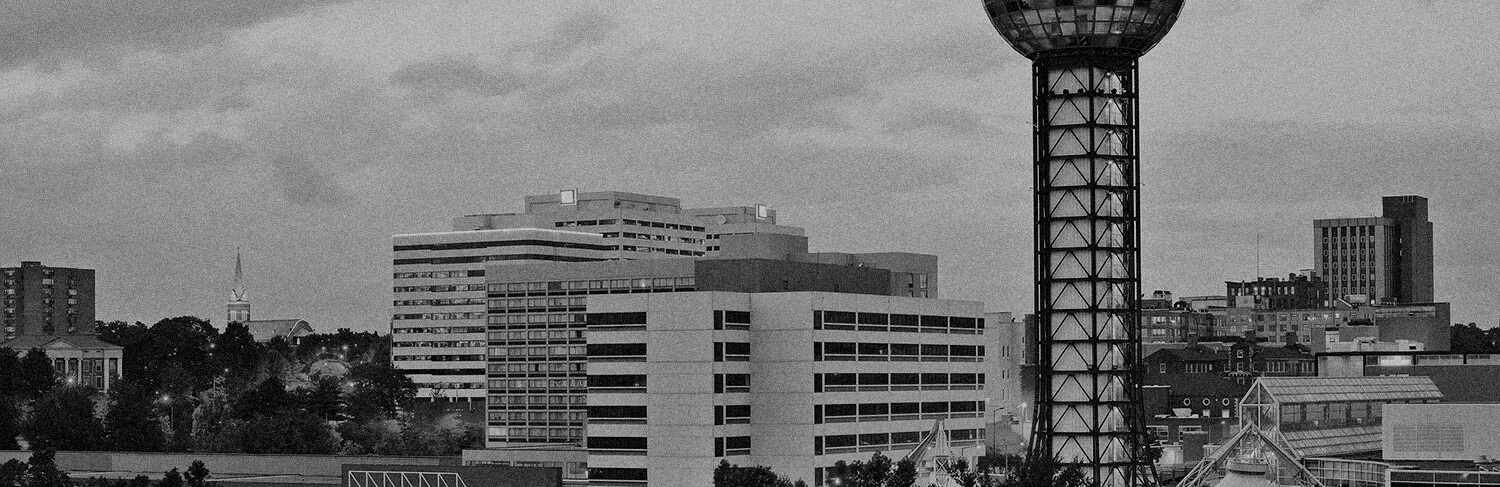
<point>149,148</point>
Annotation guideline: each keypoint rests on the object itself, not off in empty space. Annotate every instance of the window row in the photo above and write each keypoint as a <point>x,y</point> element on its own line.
<point>588,285</point>
<point>575,383</point>
<point>633,352</point>
<point>639,223</point>
<point>643,249</point>
<point>895,382</point>
<point>732,414</point>
<point>551,399</point>
<point>521,434</point>
<point>617,443</point>
<point>515,319</point>
<point>731,351</point>
<point>538,416</point>
<point>896,411</point>
<point>450,385</point>
<point>440,274</point>
<point>516,335</point>
<point>441,344</point>
<point>834,444</point>
<point>439,302</point>
<point>731,383</point>
<point>497,258</point>
<point>652,236</point>
<point>734,320</point>
<point>440,329</point>
<point>522,303</point>
<point>522,368</point>
<point>731,446</point>
<point>500,243</point>
<point>447,288</point>
<point>437,358</point>
<point>896,323</point>
<point>472,315</point>
<point>834,351</point>
<point>538,351</point>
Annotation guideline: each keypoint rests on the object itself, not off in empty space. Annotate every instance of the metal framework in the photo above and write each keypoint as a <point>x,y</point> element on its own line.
<point>381,478</point>
<point>1087,260</point>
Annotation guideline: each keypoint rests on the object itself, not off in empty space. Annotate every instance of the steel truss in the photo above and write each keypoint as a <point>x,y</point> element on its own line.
<point>1087,203</point>
<point>373,478</point>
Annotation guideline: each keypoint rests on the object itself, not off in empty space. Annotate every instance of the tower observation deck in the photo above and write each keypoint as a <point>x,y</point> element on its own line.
<point>1087,200</point>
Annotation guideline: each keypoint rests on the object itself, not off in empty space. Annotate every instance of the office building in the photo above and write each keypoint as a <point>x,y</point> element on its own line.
<point>1380,259</point>
<point>1087,208</point>
<point>41,300</point>
<point>439,288</point>
<point>672,382</point>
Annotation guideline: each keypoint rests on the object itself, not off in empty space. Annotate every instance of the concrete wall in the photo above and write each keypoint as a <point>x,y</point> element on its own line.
<point>221,463</point>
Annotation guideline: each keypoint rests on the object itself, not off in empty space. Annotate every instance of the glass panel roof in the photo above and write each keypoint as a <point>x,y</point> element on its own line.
<point>1296,390</point>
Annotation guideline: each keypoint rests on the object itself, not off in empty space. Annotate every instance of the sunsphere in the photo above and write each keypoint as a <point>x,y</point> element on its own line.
<point>1087,202</point>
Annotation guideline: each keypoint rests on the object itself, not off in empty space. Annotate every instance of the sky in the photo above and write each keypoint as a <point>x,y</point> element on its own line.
<point>150,140</point>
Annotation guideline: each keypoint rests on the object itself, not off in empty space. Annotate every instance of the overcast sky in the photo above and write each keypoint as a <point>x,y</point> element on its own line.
<point>148,140</point>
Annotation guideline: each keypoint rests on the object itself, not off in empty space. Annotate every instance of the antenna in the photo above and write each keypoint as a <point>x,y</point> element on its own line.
<point>1257,256</point>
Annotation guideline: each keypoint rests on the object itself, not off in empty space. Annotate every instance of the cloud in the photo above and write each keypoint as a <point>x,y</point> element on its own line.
<point>48,31</point>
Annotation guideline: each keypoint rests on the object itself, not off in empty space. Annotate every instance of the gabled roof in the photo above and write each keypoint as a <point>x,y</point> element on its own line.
<point>28,342</point>
<point>1296,390</point>
<point>265,330</point>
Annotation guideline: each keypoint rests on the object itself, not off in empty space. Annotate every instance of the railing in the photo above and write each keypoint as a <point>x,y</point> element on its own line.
<point>372,478</point>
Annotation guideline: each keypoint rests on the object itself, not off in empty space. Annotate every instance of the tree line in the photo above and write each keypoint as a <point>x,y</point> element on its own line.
<point>188,387</point>
<point>991,470</point>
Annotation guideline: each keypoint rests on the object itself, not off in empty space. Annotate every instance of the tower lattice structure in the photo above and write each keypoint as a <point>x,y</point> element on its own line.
<point>1087,237</point>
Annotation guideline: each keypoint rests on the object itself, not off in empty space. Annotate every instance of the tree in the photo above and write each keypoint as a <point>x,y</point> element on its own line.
<point>64,419</point>
<point>269,399</point>
<point>730,475</point>
<point>13,473</point>
<point>36,376</point>
<point>10,383</point>
<point>197,474</point>
<point>379,391</point>
<point>325,398</point>
<point>140,481</point>
<point>905,474</point>
<point>10,418</point>
<point>172,478</point>
<point>296,432</point>
<point>874,473</point>
<point>132,423</point>
<point>42,470</point>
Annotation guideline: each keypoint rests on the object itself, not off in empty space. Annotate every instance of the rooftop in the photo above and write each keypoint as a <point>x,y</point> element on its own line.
<point>1295,390</point>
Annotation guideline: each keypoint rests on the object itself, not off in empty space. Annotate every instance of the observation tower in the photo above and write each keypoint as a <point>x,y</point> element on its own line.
<point>1087,199</point>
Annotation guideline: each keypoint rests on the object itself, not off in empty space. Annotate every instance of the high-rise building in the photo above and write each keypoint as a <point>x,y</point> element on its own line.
<point>41,300</point>
<point>52,308</point>
<point>1085,112</point>
<point>661,386</point>
<point>239,297</point>
<point>1383,259</point>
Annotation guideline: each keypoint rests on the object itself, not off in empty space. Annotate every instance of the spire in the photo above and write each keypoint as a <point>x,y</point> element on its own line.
<point>239,298</point>
<point>238,292</point>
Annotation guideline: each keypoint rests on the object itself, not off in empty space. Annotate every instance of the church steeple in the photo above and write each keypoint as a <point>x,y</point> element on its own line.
<point>239,298</point>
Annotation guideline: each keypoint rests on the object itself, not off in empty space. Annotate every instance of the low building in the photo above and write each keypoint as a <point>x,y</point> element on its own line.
<point>78,359</point>
<point>1294,292</point>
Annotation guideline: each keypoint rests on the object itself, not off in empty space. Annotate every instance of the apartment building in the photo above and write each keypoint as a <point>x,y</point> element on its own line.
<point>1384,259</point>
